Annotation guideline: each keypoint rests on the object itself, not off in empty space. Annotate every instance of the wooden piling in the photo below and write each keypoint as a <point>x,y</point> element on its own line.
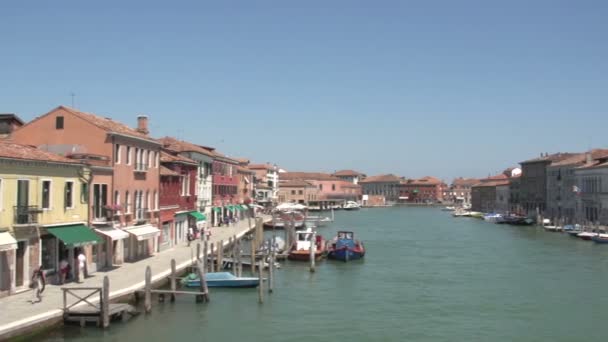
<point>239,267</point>
<point>198,251</point>
<point>270,269</point>
<point>261,285</point>
<point>252,255</point>
<point>206,249</point>
<point>211,261</point>
<point>148,290</point>
<point>220,255</point>
<point>105,303</point>
<point>203,282</point>
<point>312,251</point>
<point>173,280</point>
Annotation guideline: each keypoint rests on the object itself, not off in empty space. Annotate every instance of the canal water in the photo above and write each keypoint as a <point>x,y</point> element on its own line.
<point>426,277</point>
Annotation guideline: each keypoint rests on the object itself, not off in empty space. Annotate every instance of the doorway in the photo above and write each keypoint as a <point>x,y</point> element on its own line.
<point>20,263</point>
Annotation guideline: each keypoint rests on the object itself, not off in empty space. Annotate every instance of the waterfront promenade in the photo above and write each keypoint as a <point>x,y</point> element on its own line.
<point>18,314</point>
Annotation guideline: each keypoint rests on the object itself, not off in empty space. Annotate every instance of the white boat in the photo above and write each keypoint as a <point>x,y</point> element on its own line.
<point>351,205</point>
<point>461,213</point>
<point>492,218</point>
<point>449,209</point>
<point>551,228</point>
<point>587,235</point>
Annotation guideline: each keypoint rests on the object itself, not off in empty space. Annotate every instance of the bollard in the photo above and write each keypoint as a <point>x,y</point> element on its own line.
<point>173,280</point>
<point>312,252</point>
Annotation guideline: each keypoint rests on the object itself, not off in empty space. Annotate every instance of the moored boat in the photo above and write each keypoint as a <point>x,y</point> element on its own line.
<point>344,247</point>
<point>300,250</point>
<point>493,218</point>
<point>587,235</point>
<point>600,238</point>
<point>351,205</point>
<point>220,279</point>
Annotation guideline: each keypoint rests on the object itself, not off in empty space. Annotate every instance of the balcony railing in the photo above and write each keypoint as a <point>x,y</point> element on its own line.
<point>141,167</point>
<point>26,214</point>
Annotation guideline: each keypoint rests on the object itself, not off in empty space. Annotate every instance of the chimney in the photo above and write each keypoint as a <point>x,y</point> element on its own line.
<point>142,124</point>
<point>588,157</point>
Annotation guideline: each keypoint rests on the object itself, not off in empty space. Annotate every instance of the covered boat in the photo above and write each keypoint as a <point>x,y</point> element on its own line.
<point>300,249</point>
<point>220,279</point>
<point>600,238</point>
<point>344,247</point>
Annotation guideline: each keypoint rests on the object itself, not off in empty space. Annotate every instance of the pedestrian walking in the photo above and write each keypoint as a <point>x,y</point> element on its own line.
<point>38,284</point>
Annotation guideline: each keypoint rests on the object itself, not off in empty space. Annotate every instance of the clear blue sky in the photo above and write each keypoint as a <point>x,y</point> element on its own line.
<point>445,88</point>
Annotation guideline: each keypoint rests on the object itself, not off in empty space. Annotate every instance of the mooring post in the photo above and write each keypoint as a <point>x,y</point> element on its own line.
<point>270,269</point>
<point>203,283</point>
<point>211,261</point>
<point>312,251</point>
<point>220,254</point>
<point>173,280</point>
<point>206,249</point>
<point>252,246</point>
<point>105,303</point>
<point>261,279</point>
<point>239,268</point>
<point>148,290</point>
<point>198,251</point>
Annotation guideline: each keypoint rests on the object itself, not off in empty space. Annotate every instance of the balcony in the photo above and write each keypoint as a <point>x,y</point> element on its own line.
<point>141,167</point>
<point>26,214</point>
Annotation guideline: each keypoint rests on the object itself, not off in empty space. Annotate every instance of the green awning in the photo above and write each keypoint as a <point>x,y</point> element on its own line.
<point>217,209</point>
<point>75,235</point>
<point>198,216</point>
<point>245,206</point>
<point>238,207</point>
<point>230,207</point>
<point>415,191</point>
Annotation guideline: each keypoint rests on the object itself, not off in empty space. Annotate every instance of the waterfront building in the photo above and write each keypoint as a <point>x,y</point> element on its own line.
<point>459,191</point>
<point>298,191</point>
<point>561,180</point>
<point>177,203</point>
<point>124,185</point>
<point>203,156</point>
<point>246,181</point>
<point>329,186</point>
<point>266,185</point>
<point>225,187</point>
<point>591,189</point>
<point>533,182</point>
<point>382,185</point>
<point>424,190</point>
<point>43,214</point>
<point>349,176</point>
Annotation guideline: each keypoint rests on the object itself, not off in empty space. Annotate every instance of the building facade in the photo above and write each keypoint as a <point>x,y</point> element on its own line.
<point>43,198</point>
<point>349,176</point>
<point>266,182</point>
<point>591,190</point>
<point>459,191</point>
<point>125,200</point>
<point>424,190</point>
<point>298,191</point>
<point>382,185</point>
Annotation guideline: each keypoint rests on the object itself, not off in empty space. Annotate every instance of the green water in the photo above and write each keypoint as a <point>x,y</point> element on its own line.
<point>426,277</point>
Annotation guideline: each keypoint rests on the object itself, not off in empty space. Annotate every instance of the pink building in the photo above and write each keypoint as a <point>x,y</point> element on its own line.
<point>124,189</point>
<point>330,187</point>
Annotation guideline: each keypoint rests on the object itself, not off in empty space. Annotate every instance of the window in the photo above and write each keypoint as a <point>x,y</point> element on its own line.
<point>84,193</point>
<point>99,200</point>
<point>117,200</point>
<point>333,187</point>
<point>148,204</point>
<point>183,180</point>
<point>117,154</point>
<point>46,194</point>
<point>59,122</point>
<point>144,159</point>
<point>155,200</point>
<point>300,192</point>
<point>150,160</point>
<point>69,195</point>
<point>293,192</point>
<point>187,185</point>
<point>321,187</point>
<point>128,203</point>
<point>128,155</point>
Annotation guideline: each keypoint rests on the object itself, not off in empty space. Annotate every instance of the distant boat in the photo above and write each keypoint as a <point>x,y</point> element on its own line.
<point>461,213</point>
<point>344,247</point>
<point>587,235</point>
<point>549,227</point>
<point>448,209</point>
<point>351,205</point>
<point>600,238</point>
<point>518,220</point>
<point>300,250</point>
<point>476,214</point>
<point>220,279</point>
<point>492,218</point>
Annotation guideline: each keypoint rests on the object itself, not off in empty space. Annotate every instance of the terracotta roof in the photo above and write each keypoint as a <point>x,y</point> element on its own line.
<point>244,169</point>
<point>464,181</point>
<point>261,166</point>
<point>551,158</point>
<point>390,178</point>
<point>599,158</point>
<point>308,176</point>
<point>296,183</point>
<point>170,158</point>
<point>348,173</point>
<point>11,116</point>
<point>108,124</point>
<point>183,146</point>
<point>27,152</point>
<point>165,171</point>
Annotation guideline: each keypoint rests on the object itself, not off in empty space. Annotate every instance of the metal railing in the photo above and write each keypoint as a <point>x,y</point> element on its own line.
<point>26,214</point>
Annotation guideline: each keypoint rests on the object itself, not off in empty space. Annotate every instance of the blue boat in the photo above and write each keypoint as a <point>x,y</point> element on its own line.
<point>600,238</point>
<point>220,279</point>
<point>344,247</point>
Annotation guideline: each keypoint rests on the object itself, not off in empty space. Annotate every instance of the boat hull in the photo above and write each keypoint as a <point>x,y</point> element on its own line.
<point>225,283</point>
<point>303,255</point>
<point>601,240</point>
<point>345,254</point>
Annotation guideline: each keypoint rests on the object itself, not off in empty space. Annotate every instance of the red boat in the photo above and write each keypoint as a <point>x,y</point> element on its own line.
<point>300,250</point>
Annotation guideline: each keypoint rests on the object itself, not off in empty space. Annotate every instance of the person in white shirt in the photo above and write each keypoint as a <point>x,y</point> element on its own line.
<point>82,266</point>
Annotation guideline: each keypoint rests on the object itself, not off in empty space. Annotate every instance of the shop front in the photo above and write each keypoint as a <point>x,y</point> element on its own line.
<point>65,243</point>
<point>8,246</point>
<point>110,253</point>
<point>143,242</point>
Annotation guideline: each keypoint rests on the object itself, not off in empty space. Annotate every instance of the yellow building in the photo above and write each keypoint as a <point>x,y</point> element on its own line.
<point>43,214</point>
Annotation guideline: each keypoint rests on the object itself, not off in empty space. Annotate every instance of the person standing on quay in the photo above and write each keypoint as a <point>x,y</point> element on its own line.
<point>38,283</point>
<point>82,266</point>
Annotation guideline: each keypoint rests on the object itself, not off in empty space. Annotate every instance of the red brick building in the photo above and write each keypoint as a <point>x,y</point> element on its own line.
<point>178,200</point>
<point>424,190</point>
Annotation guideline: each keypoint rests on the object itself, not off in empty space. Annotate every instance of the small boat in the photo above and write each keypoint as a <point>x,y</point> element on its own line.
<point>351,205</point>
<point>220,279</point>
<point>476,214</point>
<point>549,227</point>
<point>279,246</point>
<point>587,235</point>
<point>518,220</point>
<point>448,209</point>
<point>461,213</point>
<point>285,218</point>
<point>344,247</point>
<point>492,218</point>
<point>600,238</point>
<point>300,250</point>
<point>319,221</point>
